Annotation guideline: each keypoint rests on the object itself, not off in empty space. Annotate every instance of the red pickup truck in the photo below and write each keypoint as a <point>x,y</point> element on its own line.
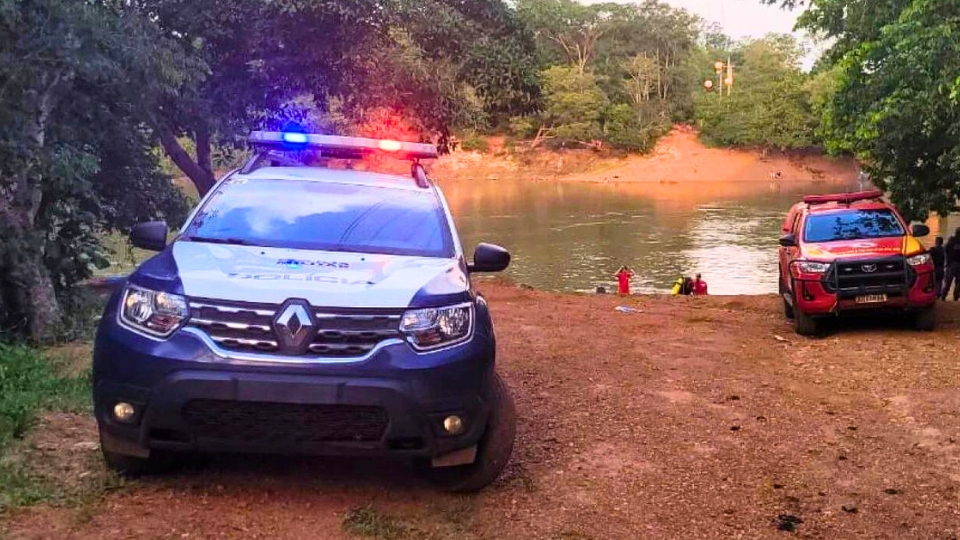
<point>853,251</point>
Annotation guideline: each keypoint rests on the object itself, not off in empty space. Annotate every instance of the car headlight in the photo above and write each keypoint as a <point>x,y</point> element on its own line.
<point>152,312</point>
<point>810,267</point>
<point>432,328</point>
<point>917,260</point>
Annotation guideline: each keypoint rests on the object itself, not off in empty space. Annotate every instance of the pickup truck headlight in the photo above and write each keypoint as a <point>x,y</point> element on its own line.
<point>432,328</point>
<point>917,260</point>
<point>810,267</point>
<point>152,312</point>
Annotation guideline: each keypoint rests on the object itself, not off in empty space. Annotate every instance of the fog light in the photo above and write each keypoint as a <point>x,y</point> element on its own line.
<point>453,424</point>
<point>123,411</point>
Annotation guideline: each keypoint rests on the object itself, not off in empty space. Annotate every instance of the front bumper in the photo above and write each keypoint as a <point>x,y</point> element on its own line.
<point>823,295</point>
<point>187,398</point>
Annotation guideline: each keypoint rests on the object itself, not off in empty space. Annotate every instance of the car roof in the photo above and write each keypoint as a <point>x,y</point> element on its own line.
<point>335,176</point>
<point>832,207</point>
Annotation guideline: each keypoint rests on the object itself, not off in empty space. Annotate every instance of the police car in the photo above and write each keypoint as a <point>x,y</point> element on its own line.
<point>305,308</point>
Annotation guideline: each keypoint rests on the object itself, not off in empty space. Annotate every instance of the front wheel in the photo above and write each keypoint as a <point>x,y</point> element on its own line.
<point>926,319</point>
<point>493,450</point>
<point>805,325</point>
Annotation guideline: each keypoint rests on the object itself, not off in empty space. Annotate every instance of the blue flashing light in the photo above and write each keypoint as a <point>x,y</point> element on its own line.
<point>295,138</point>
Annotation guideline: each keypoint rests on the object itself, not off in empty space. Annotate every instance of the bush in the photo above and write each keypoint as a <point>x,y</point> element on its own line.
<point>475,143</point>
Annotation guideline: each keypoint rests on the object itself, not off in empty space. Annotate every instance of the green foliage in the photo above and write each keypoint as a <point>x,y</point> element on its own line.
<point>75,159</point>
<point>623,129</point>
<point>29,382</point>
<point>474,142</point>
<point>895,102</point>
<point>770,103</point>
<point>574,105</point>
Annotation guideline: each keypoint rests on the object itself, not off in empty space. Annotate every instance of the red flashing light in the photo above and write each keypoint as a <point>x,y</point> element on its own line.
<point>390,146</point>
<point>843,198</point>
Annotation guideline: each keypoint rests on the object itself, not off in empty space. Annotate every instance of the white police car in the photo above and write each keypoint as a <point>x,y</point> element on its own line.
<point>308,309</point>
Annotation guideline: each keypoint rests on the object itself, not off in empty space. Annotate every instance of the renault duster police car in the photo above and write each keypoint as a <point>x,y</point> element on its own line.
<point>308,309</point>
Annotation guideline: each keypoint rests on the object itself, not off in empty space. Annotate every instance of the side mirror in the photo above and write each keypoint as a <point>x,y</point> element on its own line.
<point>151,235</point>
<point>788,240</point>
<point>920,230</point>
<point>489,258</point>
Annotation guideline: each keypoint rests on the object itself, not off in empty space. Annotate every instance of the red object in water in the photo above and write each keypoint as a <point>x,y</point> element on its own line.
<point>623,279</point>
<point>700,287</point>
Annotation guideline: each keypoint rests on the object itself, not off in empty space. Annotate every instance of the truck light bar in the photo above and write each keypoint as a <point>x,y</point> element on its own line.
<point>843,198</point>
<point>344,147</point>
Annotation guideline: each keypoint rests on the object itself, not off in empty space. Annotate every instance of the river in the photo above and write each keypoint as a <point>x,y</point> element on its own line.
<point>572,236</point>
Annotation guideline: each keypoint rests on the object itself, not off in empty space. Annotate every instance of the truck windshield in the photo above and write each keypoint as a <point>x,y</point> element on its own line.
<point>852,225</point>
<point>323,216</point>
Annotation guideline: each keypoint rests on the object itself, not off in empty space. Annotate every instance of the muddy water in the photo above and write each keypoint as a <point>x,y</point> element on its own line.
<point>574,236</point>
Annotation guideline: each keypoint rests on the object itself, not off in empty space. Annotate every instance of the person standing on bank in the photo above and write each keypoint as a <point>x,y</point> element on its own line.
<point>938,255</point>
<point>952,252</point>
<point>623,280</point>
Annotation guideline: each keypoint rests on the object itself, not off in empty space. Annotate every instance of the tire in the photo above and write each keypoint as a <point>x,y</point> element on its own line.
<point>493,450</point>
<point>788,311</point>
<point>805,325</point>
<point>926,319</point>
<point>787,308</point>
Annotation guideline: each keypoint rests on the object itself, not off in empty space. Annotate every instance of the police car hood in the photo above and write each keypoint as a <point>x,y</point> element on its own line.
<point>862,249</point>
<point>323,278</point>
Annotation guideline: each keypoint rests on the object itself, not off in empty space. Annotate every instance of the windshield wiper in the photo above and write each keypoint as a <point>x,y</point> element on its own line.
<point>212,240</point>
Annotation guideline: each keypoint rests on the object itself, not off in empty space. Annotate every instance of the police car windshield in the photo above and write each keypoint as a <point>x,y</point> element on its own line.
<point>326,216</point>
<point>852,225</point>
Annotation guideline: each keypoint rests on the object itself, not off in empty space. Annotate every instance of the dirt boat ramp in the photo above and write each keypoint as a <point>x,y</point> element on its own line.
<point>681,418</point>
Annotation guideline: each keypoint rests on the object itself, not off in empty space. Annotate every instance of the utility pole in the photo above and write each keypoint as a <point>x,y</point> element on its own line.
<point>718,65</point>
<point>728,82</point>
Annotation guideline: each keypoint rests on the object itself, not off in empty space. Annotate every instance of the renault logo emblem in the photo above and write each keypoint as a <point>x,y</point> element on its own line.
<point>294,326</point>
<point>868,268</point>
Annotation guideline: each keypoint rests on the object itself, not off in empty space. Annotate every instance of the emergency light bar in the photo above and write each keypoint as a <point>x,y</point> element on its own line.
<point>343,147</point>
<point>843,198</point>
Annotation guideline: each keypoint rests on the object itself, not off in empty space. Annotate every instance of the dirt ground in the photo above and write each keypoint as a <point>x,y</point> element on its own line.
<point>690,418</point>
<point>678,157</point>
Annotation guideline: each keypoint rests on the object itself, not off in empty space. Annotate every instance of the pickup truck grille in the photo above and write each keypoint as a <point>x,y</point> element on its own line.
<point>848,279</point>
<point>341,333</point>
<point>285,423</point>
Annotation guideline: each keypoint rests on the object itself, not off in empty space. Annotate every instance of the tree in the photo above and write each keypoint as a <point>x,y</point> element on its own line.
<point>74,159</point>
<point>573,107</point>
<point>770,104</point>
<point>569,28</point>
<point>893,101</point>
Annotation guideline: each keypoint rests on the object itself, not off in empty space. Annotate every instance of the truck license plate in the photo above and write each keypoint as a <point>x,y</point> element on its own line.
<point>871,298</point>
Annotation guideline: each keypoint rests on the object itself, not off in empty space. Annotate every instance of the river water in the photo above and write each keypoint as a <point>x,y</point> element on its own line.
<point>571,236</point>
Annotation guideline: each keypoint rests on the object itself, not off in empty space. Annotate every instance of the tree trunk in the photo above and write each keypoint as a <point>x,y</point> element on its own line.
<point>203,151</point>
<point>202,180</point>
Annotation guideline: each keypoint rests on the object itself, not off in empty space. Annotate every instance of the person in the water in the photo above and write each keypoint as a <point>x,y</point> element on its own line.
<point>699,286</point>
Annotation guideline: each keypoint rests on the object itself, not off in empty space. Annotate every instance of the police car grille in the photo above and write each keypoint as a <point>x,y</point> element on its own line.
<point>284,423</point>
<point>341,333</point>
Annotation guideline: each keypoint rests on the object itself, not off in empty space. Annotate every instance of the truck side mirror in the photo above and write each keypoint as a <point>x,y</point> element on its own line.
<point>788,240</point>
<point>151,235</point>
<point>489,258</point>
<point>920,230</point>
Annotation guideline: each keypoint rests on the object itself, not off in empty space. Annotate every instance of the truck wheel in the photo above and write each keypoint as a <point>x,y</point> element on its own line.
<point>926,319</point>
<point>787,308</point>
<point>493,450</point>
<point>805,325</point>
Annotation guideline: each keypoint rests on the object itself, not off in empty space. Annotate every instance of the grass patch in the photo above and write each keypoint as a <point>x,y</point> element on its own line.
<point>31,382</point>
<point>367,522</point>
